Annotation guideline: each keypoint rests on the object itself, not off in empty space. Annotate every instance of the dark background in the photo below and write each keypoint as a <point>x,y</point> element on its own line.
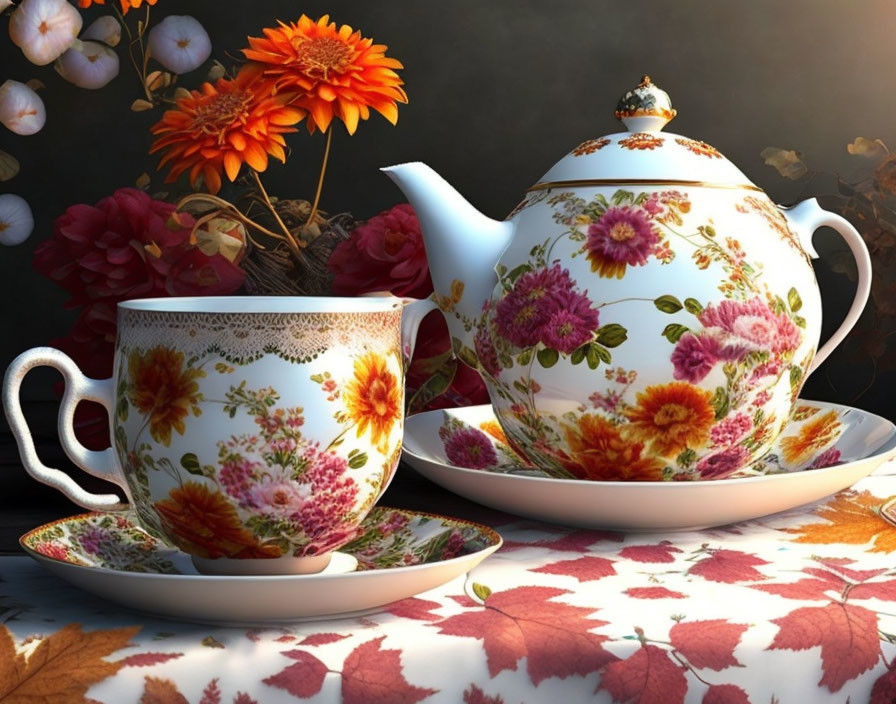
<point>499,90</point>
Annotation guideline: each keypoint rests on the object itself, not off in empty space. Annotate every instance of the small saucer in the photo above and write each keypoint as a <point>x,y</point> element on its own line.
<point>857,444</point>
<point>399,554</point>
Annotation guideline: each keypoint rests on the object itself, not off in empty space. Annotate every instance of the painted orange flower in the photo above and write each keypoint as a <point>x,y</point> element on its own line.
<point>204,523</point>
<point>159,387</point>
<point>125,4</point>
<point>373,399</point>
<point>672,417</point>
<point>220,127</point>
<point>599,451</point>
<point>333,72</point>
<point>818,434</point>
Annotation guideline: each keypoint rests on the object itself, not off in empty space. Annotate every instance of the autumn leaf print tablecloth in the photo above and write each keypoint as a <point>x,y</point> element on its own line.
<point>798,607</point>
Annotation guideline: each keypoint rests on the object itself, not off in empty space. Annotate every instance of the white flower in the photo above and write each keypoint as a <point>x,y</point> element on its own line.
<point>88,64</point>
<point>179,43</point>
<point>104,29</point>
<point>44,29</point>
<point>4,4</point>
<point>16,220</point>
<point>21,109</point>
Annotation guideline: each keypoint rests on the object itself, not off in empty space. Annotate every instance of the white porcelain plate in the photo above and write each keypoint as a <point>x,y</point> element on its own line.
<point>400,554</point>
<point>831,448</point>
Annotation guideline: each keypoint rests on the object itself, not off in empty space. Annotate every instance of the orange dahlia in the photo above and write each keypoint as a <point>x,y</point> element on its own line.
<point>672,417</point>
<point>818,434</point>
<point>125,4</point>
<point>333,72</point>
<point>222,126</point>
<point>204,523</point>
<point>373,399</point>
<point>599,451</point>
<point>160,388</point>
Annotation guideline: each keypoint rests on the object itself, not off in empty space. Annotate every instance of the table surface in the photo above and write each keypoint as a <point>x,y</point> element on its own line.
<point>796,607</point>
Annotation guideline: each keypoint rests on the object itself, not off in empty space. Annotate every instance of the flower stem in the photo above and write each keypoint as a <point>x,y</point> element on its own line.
<point>141,74</point>
<point>320,180</point>
<point>295,245</point>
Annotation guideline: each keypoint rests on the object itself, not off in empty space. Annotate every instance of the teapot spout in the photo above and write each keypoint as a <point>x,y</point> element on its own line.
<point>462,246</point>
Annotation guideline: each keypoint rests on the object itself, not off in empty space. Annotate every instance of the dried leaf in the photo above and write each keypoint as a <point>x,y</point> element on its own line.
<point>143,180</point>
<point>141,105</point>
<point>868,148</point>
<point>9,166</point>
<point>788,162</point>
<point>62,667</point>
<point>35,85</point>
<point>159,691</point>
<point>212,642</point>
<point>216,71</point>
<point>853,518</point>
<point>180,93</point>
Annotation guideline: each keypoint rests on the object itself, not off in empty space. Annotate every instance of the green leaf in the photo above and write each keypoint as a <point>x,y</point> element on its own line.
<point>602,352</point>
<point>524,357</point>
<point>692,305</point>
<point>358,461</point>
<point>710,230</point>
<point>800,320</point>
<point>612,335</point>
<point>518,271</point>
<point>668,304</point>
<point>596,354</point>
<point>547,357</point>
<point>793,298</point>
<point>720,402</point>
<point>482,591</point>
<point>621,196</point>
<point>467,356</point>
<point>520,386</point>
<point>673,332</point>
<point>796,376</point>
<point>122,409</point>
<point>190,462</point>
<point>578,354</point>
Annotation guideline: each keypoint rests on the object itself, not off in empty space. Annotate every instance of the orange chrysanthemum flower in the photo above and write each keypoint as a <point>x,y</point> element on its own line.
<point>159,387</point>
<point>125,4</point>
<point>599,451</point>
<point>222,126</point>
<point>204,523</point>
<point>373,399</point>
<point>818,434</point>
<point>333,72</point>
<point>672,417</point>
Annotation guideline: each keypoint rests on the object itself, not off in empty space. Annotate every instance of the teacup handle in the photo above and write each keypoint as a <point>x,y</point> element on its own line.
<point>102,464</point>
<point>805,218</point>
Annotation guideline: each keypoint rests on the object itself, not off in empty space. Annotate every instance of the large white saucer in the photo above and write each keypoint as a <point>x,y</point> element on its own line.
<point>867,442</point>
<point>135,570</point>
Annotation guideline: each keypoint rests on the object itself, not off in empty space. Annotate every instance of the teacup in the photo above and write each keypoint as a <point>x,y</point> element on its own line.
<point>254,433</point>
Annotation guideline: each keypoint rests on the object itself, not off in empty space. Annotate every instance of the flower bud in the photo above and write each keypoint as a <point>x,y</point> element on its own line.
<point>88,64</point>
<point>44,29</point>
<point>21,109</point>
<point>16,219</point>
<point>179,43</point>
<point>104,29</point>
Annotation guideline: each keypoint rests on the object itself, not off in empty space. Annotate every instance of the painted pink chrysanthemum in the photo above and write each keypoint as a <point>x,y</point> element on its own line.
<point>279,498</point>
<point>535,296</point>
<point>470,448</point>
<point>622,237</point>
<point>52,549</point>
<point>486,352</point>
<point>694,356</point>
<point>567,329</point>
<point>723,463</point>
<point>235,476</point>
<point>828,458</point>
<point>731,429</point>
<point>326,521</point>
<point>753,325</point>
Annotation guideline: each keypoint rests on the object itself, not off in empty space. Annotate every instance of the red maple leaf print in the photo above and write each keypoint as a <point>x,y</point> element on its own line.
<point>648,676</point>
<point>663,552</point>
<point>302,679</point>
<point>827,585</point>
<point>653,593</point>
<point>846,633</point>
<point>321,639</point>
<point>585,569</point>
<point>554,638</point>
<point>573,541</point>
<point>707,644</point>
<point>371,675</point>
<point>474,695</point>
<point>817,588</point>
<point>211,694</point>
<point>147,659</point>
<point>729,566</point>
<point>420,609</point>
<point>725,694</point>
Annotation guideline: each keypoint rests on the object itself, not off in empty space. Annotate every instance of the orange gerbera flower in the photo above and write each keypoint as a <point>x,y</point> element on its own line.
<point>160,388</point>
<point>373,399</point>
<point>222,126</point>
<point>818,434</point>
<point>672,417</point>
<point>334,73</point>
<point>599,451</point>
<point>204,523</point>
<point>125,4</point>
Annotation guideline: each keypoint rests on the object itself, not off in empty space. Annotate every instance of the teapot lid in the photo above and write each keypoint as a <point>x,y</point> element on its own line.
<point>643,154</point>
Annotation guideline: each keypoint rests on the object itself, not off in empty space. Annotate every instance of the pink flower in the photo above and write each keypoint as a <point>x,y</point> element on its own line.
<point>236,476</point>
<point>470,448</point>
<point>828,458</point>
<point>385,253</point>
<point>485,350</point>
<point>694,356</point>
<point>53,549</point>
<point>731,429</point>
<point>565,330</point>
<point>752,325</point>
<point>623,236</point>
<point>723,463</point>
<point>279,498</point>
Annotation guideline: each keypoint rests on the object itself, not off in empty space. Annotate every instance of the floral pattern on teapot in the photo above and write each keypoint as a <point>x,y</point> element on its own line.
<point>717,414</point>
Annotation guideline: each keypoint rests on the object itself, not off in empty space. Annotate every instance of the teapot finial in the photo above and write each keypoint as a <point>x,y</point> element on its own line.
<point>645,108</point>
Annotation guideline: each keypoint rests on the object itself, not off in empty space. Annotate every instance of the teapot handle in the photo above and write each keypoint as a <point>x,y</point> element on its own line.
<point>805,218</point>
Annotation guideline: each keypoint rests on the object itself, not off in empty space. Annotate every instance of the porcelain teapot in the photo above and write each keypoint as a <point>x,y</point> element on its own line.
<point>645,313</point>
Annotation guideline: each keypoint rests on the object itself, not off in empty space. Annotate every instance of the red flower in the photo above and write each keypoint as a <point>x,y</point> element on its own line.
<point>384,254</point>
